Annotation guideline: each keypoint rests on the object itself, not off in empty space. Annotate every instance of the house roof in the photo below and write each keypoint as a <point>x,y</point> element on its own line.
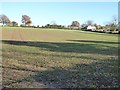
<point>91,27</point>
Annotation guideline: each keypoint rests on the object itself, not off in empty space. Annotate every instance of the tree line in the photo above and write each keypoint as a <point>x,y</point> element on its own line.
<point>26,22</point>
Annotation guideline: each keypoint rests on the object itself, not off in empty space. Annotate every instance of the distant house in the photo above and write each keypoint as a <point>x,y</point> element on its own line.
<point>74,27</point>
<point>92,28</point>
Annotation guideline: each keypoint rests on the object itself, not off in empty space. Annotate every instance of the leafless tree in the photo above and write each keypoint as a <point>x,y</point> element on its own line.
<point>89,22</point>
<point>26,20</point>
<point>4,19</point>
<point>75,23</point>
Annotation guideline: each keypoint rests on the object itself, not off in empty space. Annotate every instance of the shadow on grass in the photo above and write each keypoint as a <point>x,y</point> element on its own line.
<point>78,76</point>
<point>91,41</point>
<point>70,47</point>
<point>102,73</point>
<point>93,75</point>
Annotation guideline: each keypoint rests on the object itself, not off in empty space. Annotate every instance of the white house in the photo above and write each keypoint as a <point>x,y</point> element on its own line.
<point>93,28</point>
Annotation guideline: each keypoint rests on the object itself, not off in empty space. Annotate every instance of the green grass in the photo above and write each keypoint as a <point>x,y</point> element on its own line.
<point>59,58</point>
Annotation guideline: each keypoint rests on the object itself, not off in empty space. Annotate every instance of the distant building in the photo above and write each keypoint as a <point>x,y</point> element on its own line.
<point>74,27</point>
<point>92,28</point>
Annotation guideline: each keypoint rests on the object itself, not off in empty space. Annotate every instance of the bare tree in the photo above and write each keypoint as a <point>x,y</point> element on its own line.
<point>4,19</point>
<point>53,23</point>
<point>14,23</point>
<point>75,23</point>
<point>112,25</point>
<point>26,20</point>
<point>89,22</point>
<point>114,20</point>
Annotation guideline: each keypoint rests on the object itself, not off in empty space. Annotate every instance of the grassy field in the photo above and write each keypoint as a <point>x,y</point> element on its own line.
<point>49,58</point>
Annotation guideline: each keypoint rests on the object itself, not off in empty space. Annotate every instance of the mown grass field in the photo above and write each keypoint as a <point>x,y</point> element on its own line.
<point>49,58</point>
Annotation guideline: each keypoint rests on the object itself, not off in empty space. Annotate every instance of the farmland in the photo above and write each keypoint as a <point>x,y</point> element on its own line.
<point>54,58</point>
